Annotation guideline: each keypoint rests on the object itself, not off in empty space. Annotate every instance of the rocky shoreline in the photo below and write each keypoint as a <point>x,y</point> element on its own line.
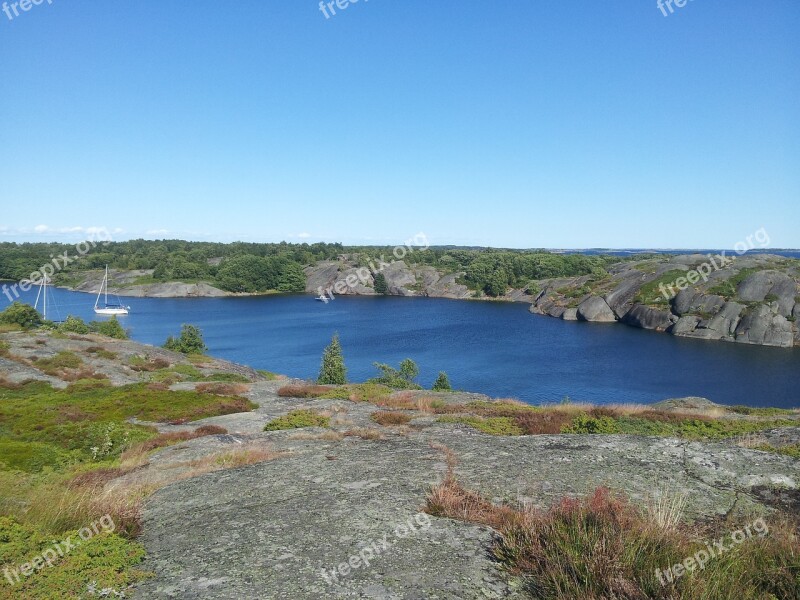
<point>758,306</point>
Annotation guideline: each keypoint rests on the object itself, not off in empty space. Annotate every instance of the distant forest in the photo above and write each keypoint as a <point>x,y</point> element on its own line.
<point>249,267</point>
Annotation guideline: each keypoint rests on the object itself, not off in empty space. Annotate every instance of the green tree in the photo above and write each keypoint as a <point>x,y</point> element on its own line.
<point>110,328</point>
<point>408,369</point>
<point>380,284</point>
<point>189,342</point>
<point>333,371</point>
<point>23,315</point>
<point>292,279</point>
<point>442,383</point>
<point>402,379</point>
<point>73,325</point>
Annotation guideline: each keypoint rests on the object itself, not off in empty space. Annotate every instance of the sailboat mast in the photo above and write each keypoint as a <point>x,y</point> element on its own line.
<point>106,280</point>
<point>44,300</point>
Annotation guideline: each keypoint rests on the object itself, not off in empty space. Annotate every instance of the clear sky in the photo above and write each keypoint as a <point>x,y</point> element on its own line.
<point>515,123</point>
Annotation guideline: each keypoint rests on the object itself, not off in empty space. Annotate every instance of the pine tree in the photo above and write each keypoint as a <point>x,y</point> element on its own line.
<point>442,383</point>
<point>380,283</point>
<point>333,371</point>
<point>189,342</point>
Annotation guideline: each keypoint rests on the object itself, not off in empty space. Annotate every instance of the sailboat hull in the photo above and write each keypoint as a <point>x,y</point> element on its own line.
<point>111,311</point>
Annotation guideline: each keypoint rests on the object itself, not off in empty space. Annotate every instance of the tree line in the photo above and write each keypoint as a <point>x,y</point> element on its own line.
<point>259,267</point>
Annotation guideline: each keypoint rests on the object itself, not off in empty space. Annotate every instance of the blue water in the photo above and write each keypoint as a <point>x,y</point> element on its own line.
<point>496,348</point>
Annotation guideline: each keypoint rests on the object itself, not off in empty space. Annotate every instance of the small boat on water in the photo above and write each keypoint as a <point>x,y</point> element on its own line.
<point>322,298</point>
<point>108,309</point>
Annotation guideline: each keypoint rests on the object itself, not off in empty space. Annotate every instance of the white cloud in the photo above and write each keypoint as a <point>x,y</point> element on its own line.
<point>304,235</point>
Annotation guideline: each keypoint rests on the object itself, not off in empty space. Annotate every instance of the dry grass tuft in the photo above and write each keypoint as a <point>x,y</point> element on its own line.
<point>137,454</point>
<point>233,459</point>
<point>385,417</point>
<point>364,433</point>
<point>304,391</point>
<point>223,389</point>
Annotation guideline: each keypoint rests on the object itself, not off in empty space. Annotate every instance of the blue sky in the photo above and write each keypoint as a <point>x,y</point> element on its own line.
<point>518,123</point>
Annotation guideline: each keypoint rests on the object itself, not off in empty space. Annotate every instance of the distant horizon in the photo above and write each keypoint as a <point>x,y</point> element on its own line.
<point>73,240</point>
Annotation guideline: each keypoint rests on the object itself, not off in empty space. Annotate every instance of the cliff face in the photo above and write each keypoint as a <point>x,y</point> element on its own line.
<point>753,299</point>
<point>749,299</point>
<point>342,278</point>
<point>123,283</point>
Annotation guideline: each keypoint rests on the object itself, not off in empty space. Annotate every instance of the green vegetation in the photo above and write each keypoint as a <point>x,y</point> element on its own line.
<point>333,371</point>
<point>110,328</point>
<point>380,284</point>
<point>583,423</point>
<point>727,289</point>
<point>398,379</point>
<point>50,441</point>
<point>25,316</point>
<point>651,294</point>
<point>297,419</point>
<point>257,268</point>
<point>530,420</point>
<point>442,383</point>
<point>189,342</point>
<point>761,412</point>
<point>792,450</point>
<point>107,559</point>
<point>490,425</point>
<point>21,315</point>
<point>602,546</point>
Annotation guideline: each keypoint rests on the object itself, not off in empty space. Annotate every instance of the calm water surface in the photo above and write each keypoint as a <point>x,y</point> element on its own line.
<point>496,348</point>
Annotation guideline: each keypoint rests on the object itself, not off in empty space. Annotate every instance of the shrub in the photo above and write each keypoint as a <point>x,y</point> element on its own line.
<point>20,314</point>
<point>73,324</point>
<point>442,383</point>
<point>101,352</point>
<point>56,364</point>
<point>583,423</point>
<point>223,389</point>
<point>386,417</point>
<point>298,419</point>
<point>189,342</point>
<point>333,371</point>
<point>139,363</point>
<point>398,379</point>
<point>490,425</point>
<point>110,328</point>
<point>304,391</point>
<point>601,546</point>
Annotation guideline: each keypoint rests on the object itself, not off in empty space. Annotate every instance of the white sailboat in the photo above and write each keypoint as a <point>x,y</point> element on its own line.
<point>42,294</point>
<point>108,309</point>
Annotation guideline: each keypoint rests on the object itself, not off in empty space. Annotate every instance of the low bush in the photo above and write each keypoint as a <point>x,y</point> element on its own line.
<point>223,389</point>
<point>298,419</point>
<point>384,417</point>
<point>305,391</point>
<point>490,425</point>
<point>601,546</point>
